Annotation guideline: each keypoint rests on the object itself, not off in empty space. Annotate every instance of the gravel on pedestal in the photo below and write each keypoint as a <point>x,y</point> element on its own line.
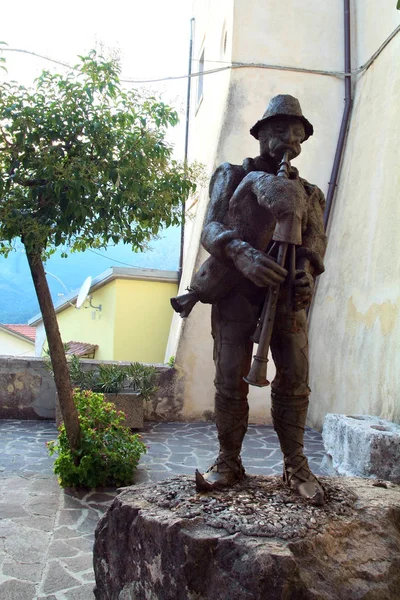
<point>256,540</point>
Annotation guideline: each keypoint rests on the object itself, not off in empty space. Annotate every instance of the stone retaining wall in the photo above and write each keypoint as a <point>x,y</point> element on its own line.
<point>27,390</point>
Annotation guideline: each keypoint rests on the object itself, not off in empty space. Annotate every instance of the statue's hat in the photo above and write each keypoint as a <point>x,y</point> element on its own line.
<point>283,105</point>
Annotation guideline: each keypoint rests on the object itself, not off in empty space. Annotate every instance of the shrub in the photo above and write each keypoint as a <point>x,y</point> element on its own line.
<point>141,379</point>
<point>112,379</point>
<point>109,453</point>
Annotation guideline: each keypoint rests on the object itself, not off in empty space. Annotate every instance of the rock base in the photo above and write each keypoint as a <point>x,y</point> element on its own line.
<point>254,541</point>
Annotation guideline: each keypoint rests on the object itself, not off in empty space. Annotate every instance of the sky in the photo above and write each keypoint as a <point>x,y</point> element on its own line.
<point>151,37</point>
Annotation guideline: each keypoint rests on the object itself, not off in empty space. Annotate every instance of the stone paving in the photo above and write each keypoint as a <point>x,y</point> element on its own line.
<point>46,533</point>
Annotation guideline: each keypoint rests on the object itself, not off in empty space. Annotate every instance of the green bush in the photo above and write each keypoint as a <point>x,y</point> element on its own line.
<point>109,452</point>
<point>112,379</point>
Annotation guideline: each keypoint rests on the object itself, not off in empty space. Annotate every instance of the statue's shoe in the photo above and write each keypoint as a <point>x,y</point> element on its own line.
<point>301,480</point>
<point>219,475</point>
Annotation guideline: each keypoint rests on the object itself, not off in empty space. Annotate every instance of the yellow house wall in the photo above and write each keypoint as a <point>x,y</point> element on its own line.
<point>93,326</point>
<point>13,346</point>
<point>142,319</point>
<point>307,34</point>
<point>355,323</point>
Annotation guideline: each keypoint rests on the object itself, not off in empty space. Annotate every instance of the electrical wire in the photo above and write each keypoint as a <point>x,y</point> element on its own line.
<point>58,62</point>
<point>237,65</point>
<point>240,66</point>
<point>114,260</point>
<point>375,55</point>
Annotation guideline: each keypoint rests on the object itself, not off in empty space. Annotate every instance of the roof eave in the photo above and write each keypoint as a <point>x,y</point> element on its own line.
<point>18,335</point>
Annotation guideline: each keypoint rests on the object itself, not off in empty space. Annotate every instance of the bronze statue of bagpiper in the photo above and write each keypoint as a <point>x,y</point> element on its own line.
<point>265,235</point>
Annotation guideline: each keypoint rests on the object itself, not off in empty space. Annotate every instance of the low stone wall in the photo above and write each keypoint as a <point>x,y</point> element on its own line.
<point>27,390</point>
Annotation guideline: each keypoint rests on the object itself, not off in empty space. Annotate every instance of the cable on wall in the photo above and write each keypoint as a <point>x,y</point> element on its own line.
<point>238,65</point>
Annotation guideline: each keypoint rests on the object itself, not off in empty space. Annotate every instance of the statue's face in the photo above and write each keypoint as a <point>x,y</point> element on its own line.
<point>280,135</point>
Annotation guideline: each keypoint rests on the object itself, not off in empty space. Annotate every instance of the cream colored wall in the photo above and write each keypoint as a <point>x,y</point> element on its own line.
<point>373,22</point>
<point>212,19</point>
<point>355,324</point>
<point>142,319</point>
<point>11,345</point>
<point>93,326</point>
<point>313,38</point>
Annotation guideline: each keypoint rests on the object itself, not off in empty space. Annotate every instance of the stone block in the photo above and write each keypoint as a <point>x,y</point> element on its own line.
<point>57,578</point>
<point>27,389</point>
<point>256,540</point>
<point>362,445</point>
<point>131,404</point>
<point>17,590</point>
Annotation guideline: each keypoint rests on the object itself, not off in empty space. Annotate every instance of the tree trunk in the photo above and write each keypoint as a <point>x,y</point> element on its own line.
<point>57,352</point>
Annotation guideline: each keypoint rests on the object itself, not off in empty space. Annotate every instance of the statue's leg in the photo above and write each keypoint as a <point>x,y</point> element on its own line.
<point>233,322</point>
<point>289,400</point>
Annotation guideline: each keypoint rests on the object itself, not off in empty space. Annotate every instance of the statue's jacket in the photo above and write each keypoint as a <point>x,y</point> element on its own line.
<point>242,217</point>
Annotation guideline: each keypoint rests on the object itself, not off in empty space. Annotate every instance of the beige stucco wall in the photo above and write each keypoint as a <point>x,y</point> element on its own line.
<point>302,34</point>
<point>355,324</point>
<point>212,20</point>
<point>12,345</point>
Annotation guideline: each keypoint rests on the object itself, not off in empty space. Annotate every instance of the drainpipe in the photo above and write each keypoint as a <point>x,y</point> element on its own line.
<point>186,145</point>
<point>346,115</point>
<point>348,101</point>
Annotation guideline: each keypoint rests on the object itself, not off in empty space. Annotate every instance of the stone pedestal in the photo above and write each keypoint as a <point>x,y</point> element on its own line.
<point>255,541</point>
<point>362,445</point>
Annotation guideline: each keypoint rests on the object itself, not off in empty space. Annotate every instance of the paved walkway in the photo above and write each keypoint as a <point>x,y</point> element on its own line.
<point>46,534</point>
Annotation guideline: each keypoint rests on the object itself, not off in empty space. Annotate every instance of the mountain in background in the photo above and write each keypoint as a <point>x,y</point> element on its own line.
<point>18,301</point>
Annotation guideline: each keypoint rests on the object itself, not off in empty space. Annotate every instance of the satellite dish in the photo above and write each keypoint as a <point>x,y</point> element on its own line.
<point>83,292</point>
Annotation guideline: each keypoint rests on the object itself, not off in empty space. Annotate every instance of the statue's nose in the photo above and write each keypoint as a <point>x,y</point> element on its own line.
<point>289,136</point>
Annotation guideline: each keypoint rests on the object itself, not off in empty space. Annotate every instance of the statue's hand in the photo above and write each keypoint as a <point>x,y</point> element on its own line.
<point>255,265</point>
<point>303,289</point>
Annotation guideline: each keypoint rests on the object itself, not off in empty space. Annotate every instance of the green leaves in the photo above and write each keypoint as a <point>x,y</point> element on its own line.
<point>398,5</point>
<point>109,452</point>
<point>2,59</point>
<point>84,161</point>
<point>112,379</point>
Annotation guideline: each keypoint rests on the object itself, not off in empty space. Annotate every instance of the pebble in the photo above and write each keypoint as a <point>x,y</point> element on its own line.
<point>258,506</point>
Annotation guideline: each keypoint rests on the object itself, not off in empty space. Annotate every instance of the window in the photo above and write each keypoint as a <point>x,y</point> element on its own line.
<point>200,78</point>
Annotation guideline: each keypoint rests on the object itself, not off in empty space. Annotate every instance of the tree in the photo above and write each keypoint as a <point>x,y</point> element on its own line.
<point>83,162</point>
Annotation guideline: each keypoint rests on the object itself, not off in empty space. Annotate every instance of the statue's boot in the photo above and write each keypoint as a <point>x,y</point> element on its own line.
<point>231,417</point>
<point>289,418</point>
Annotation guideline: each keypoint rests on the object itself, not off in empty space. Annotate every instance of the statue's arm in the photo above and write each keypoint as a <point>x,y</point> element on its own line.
<point>310,255</point>
<point>217,234</point>
<point>224,242</point>
<point>311,252</point>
